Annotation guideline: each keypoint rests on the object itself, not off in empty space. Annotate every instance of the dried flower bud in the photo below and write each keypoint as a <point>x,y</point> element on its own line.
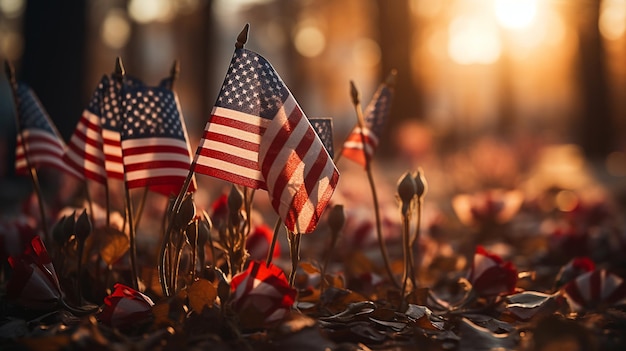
<point>406,190</point>
<point>58,232</point>
<point>68,225</point>
<point>191,231</point>
<point>420,182</point>
<point>83,226</point>
<point>204,231</point>
<point>336,218</point>
<point>186,213</point>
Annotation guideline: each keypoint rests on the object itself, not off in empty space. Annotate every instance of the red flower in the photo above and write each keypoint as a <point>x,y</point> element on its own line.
<point>34,282</point>
<point>595,289</point>
<point>125,307</point>
<point>259,241</point>
<point>261,295</point>
<point>490,275</point>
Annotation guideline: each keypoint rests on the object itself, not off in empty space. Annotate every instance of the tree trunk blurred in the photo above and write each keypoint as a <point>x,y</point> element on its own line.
<point>397,27</point>
<point>595,133</point>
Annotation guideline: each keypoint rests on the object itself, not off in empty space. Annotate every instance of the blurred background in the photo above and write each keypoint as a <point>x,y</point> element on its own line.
<point>481,75</point>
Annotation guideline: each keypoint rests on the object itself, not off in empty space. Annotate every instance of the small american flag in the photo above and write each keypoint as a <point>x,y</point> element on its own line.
<point>44,145</point>
<point>257,136</point>
<point>375,116</point>
<point>154,141</point>
<point>324,129</point>
<point>94,149</point>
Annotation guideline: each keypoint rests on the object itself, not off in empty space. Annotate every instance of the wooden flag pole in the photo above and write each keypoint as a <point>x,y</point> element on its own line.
<point>381,242</point>
<point>389,81</point>
<point>10,72</point>
<point>242,38</point>
<point>119,76</point>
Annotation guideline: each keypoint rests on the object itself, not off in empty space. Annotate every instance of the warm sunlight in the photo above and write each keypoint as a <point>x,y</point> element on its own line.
<point>515,14</point>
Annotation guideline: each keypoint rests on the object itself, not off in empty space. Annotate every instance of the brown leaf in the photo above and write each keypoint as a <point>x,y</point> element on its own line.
<point>170,311</point>
<point>113,244</point>
<point>337,300</point>
<point>202,293</point>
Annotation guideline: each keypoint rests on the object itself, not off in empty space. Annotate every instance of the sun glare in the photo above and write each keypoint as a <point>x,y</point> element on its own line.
<point>515,14</point>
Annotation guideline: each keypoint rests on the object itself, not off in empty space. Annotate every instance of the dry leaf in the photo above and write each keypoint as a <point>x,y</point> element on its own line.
<point>202,293</point>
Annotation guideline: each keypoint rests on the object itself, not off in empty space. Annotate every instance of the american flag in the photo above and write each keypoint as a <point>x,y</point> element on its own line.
<point>44,145</point>
<point>94,149</point>
<point>324,129</point>
<point>375,117</point>
<point>154,141</point>
<point>257,136</point>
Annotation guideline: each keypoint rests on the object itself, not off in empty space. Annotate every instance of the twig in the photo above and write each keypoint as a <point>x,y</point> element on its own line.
<point>294,241</point>
<point>270,252</point>
<point>119,76</point>
<point>383,248</point>
<point>10,72</point>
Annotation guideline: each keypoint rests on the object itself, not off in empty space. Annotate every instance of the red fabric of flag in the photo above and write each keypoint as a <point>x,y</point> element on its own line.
<point>375,118</point>
<point>95,148</point>
<point>257,136</point>
<point>154,141</point>
<point>38,139</point>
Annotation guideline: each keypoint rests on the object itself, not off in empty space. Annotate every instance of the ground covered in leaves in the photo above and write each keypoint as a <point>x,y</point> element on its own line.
<point>495,269</point>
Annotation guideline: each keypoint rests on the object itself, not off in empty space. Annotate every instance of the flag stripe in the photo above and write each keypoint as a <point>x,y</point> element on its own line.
<point>94,148</point>
<point>375,117</point>
<point>38,142</point>
<point>239,161</point>
<point>152,141</point>
<point>295,163</point>
<point>258,136</point>
<point>229,148</point>
<point>87,168</point>
<point>249,180</point>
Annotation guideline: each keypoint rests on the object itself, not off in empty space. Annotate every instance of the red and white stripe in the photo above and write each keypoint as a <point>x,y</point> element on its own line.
<point>356,142</point>
<point>229,148</point>
<point>160,163</point>
<point>300,175</point>
<point>44,149</point>
<point>597,288</point>
<point>94,151</point>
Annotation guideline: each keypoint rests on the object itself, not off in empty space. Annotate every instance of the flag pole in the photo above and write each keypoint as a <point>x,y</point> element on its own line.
<point>242,38</point>
<point>10,72</point>
<point>119,77</point>
<point>361,123</point>
<point>389,81</point>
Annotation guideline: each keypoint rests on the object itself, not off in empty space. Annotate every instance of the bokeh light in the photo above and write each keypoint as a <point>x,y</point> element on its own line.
<point>146,11</point>
<point>115,30</point>
<point>11,44</point>
<point>12,8</point>
<point>566,200</point>
<point>366,52</point>
<point>613,19</point>
<point>309,41</point>
<point>473,39</point>
<point>515,14</point>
